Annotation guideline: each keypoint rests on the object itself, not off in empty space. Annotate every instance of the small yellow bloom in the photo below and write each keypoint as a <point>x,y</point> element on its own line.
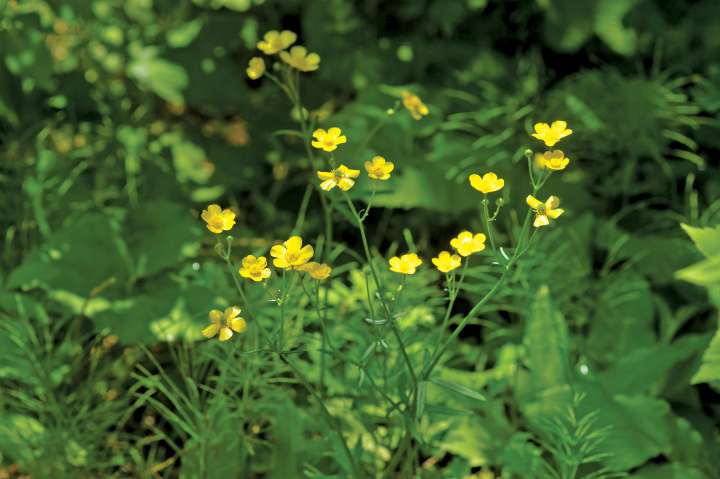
<point>414,105</point>
<point>553,160</point>
<point>446,262</point>
<point>405,264</point>
<point>342,177</point>
<point>328,140</point>
<point>291,254</point>
<point>316,270</point>
<point>379,168</point>
<point>545,211</point>
<point>218,219</point>
<point>467,243</point>
<point>275,41</point>
<point>225,323</point>
<point>486,183</point>
<point>300,59</point>
<point>256,68</point>
<point>255,268</point>
<point>551,134</point>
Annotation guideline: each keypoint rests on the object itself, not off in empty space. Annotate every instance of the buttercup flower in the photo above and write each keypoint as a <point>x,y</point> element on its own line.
<point>225,323</point>
<point>486,183</point>
<point>291,254</point>
<point>255,268</point>
<point>300,59</point>
<point>467,243</point>
<point>553,160</point>
<point>551,134</point>
<point>544,211</point>
<point>379,168</point>
<point>316,270</point>
<point>256,68</point>
<point>218,219</point>
<point>446,262</point>
<point>342,177</point>
<point>328,140</point>
<point>414,105</point>
<point>274,41</point>
<point>405,264</point>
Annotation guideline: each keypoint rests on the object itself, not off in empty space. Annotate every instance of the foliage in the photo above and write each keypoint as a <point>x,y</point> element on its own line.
<point>588,348</point>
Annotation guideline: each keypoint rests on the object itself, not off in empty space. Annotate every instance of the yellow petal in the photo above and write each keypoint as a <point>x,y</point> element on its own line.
<point>541,220</point>
<point>211,330</point>
<point>533,202</point>
<point>293,244</point>
<point>225,334</point>
<point>345,184</point>
<point>306,253</point>
<point>325,175</point>
<point>237,324</point>
<point>328,185</point>
<point>215,315</point>
<point>277,251</point>
<point>555,214</point>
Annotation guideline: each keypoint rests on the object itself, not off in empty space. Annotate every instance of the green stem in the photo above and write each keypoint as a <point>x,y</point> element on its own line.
<point>381,291</point>
<point>486,220</point>
<point>330,419</point>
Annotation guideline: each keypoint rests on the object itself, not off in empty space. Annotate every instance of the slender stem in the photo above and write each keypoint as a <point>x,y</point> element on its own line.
<point>331,420</point>
<point>381,291</point>
<point>486,220</point>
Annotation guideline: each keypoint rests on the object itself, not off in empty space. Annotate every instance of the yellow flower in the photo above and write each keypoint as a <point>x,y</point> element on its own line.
<point>486,183</point>
<point>446,262</point>
<point>316,270</point>
<point>218,219</point>
<point>544,211</point>
<point>275,41</point>
<point>467,243</point>
<point>328,140</point>
<point>414,105</point>
<point>225,323</point>
<point>551,134</point>
<point>405,264</point>
<point>300,59</point>
<point>255,268</point>
<point>553,160</point>
<point>256,68</point>
<point>378,168</point>
<point>291,254</point>
<point>342,177</point>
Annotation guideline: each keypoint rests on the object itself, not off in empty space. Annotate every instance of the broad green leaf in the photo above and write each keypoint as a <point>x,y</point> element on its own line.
<point>160,235</point>
<point>623,319</point>
<point>707,240</point>
<point>642,370</point>
<point>640,426</point>
<point>705,273</point>
<point>84,254</point>
<point>710,366</point>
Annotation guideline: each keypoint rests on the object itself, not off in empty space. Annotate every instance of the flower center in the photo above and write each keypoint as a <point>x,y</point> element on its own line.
<point>292,257</point>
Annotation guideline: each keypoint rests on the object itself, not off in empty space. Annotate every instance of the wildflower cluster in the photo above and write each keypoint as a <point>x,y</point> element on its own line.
<point>277,43</point>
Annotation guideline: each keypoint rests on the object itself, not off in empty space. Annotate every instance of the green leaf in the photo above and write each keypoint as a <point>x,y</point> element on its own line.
<point>458,388</point>
<point>639,426</point>
<point>82,255</point>
<point>705,273</point>
<point>183,35</point>
<point>710,366</point>
<point>164,78</point>
<point>191,162</point>
<point>707,240</point>
<point>623,320</point>
<point>159,235</point>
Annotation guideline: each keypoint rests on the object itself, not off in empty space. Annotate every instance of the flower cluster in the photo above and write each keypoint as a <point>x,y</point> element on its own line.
<point>378,168</point>
<point>275,42</point>
<point>553,160</point>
